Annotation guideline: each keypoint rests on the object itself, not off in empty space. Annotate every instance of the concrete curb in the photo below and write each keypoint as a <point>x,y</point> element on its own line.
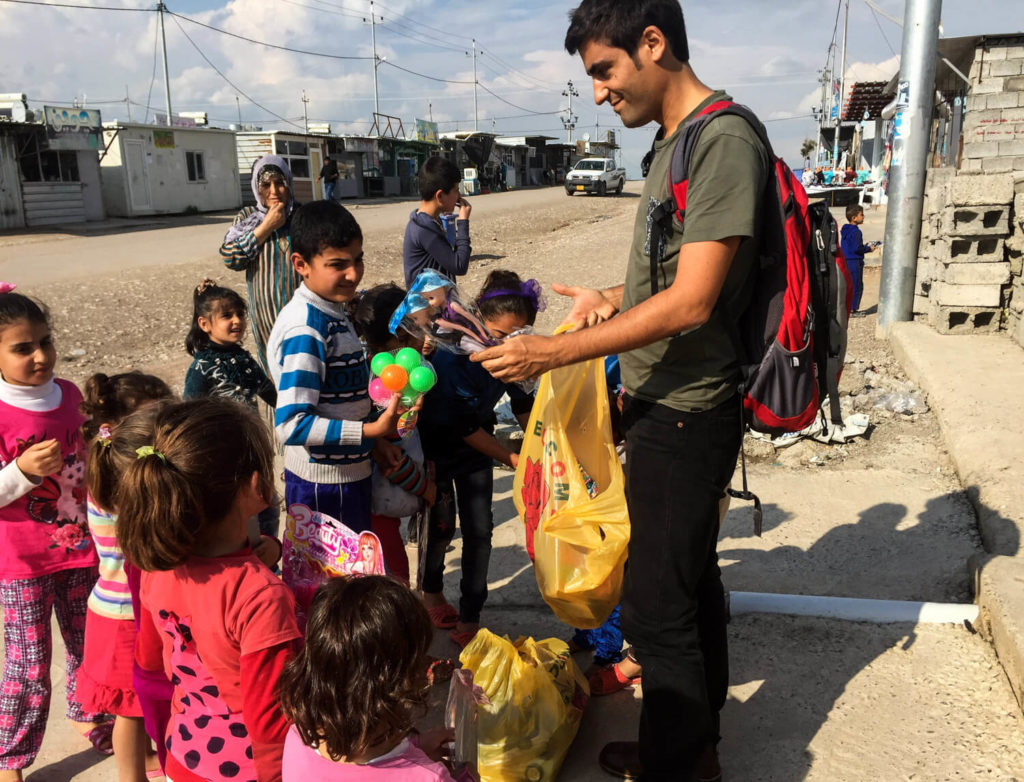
<point>969,381</point>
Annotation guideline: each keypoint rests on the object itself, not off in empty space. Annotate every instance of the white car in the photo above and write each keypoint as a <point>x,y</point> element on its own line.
<point>595,175</point>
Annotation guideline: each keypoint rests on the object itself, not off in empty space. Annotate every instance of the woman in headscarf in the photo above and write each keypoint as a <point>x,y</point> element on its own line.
<point>258,244</point>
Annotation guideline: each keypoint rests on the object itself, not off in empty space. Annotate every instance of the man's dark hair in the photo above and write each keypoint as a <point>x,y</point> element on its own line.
<point>438,173</point>
<point>853,210</point>
<point>319,225</point>
<point>621,23</point>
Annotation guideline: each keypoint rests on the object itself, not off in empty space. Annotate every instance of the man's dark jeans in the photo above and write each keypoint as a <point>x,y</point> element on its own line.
<point>673,602</point>
<point>472,493</point>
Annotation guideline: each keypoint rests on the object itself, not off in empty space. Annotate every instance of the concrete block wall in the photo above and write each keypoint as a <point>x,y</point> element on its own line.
<point>969,275</point>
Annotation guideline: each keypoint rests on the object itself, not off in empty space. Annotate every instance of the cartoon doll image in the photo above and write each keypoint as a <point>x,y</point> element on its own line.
<point>369,559</point>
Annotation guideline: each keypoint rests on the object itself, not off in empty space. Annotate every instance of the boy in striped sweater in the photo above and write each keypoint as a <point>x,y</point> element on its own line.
<point>320,371</point>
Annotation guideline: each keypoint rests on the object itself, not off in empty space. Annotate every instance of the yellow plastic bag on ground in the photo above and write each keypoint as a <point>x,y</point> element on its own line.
<point>570,493</point>
<point>537,695</point>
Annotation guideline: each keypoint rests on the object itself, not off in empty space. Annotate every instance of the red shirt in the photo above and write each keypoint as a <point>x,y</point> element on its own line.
<point>222,629</point>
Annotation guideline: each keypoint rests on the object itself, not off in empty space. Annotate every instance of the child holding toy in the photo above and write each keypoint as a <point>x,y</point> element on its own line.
<point>457,427</point>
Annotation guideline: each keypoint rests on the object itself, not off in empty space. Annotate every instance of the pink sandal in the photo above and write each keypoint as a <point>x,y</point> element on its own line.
<point>443,616</point>
<point>462,639</point>
<point>102,738</point>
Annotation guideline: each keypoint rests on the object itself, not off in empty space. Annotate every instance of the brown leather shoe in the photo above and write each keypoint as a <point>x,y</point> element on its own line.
<point>621,759</point>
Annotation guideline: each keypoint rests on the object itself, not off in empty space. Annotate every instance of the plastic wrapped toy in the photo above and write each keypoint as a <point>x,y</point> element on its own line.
<point>434,311</point>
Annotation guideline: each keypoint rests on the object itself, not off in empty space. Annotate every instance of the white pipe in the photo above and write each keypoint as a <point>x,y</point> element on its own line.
<point>852,609</point>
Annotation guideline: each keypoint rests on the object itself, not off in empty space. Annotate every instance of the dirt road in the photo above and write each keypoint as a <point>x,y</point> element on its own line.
<point>879,517</point>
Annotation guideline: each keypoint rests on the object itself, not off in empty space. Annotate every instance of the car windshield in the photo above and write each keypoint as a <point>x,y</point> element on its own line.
<point>590,165</point>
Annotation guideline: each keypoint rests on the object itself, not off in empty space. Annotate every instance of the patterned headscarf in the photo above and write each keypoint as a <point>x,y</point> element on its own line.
<point>257,216</point>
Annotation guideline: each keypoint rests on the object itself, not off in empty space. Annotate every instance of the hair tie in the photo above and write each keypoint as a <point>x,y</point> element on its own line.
<point>103,435</point>
<point>7,287</point>
<point>205,285</point>
<point>148,450</point>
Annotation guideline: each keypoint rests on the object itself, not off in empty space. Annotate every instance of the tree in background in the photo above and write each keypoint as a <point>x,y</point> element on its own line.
<point>807,148</point>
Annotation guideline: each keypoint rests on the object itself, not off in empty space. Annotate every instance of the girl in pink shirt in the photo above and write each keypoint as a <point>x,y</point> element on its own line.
<point>47,559</point>
<point>356,688</point>
<point>212,615</point>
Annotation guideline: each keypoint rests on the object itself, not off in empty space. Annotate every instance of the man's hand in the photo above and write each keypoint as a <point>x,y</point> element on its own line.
<point>590,306</point>
<point>387,455</point>
<point>41,459</point>
<point>518,358</point>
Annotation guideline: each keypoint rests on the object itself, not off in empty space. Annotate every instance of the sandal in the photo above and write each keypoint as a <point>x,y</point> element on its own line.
<point>155,773</point>
<point>609,679</point>
<point>102,738</point>
<point>443,616</point>
<point>440,670</point>
<point>462,639</point>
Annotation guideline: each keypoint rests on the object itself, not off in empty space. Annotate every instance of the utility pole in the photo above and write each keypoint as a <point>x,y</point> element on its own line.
<point>842,89</point>
<point>238,106</point>
<point>305,112</point>
<point>476,114</point>
<point>160,7</point>
<point>128,102</point>
<point>376,61</point>
<point>569,122</point>
<point>909,167</point>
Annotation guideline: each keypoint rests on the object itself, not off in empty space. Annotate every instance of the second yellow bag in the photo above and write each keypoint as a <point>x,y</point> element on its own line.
<point>569,491</point>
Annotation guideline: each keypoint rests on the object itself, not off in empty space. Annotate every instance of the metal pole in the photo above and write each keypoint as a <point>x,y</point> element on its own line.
<point>476,116</point>
<point>842,90</point>
<point>238,106</point>
<point>128,102</point>
<point>571,91</point>
<point>909,167</point>
<point>376,62</point>
<point>160,7</point>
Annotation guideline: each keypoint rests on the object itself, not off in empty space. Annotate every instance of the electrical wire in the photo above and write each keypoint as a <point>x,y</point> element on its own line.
<point>521,108</point>
<point>394,31</point>
<point>235,87</point>
<point>87,7</point>
<point>540,82</point>
<point>264,43</point>
<point>424,75</point>
<point>418,23</point>
<point>879,25</point>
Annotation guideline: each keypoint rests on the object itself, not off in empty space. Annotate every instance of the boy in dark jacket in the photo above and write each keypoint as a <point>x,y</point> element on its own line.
<point>426,243</point>
<point>854,249</point>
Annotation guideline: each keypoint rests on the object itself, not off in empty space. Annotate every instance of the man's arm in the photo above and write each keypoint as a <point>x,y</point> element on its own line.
<point>683,306</point>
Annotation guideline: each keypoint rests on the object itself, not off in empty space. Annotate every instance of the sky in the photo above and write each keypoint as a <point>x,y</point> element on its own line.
<point>766,54</point>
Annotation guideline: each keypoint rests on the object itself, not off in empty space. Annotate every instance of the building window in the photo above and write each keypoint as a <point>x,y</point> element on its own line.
<point>296,155</point>
<point>46,165</point>
<point>196,166</point>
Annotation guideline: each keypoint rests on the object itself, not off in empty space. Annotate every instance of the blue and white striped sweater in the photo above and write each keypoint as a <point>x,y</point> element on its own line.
<point>319,368</point>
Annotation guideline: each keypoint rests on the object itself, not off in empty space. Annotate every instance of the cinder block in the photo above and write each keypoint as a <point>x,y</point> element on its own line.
<point>922,306</point>
<point>983,189</point>
<point>948,295</point>
<point>996,165</point>
<point>977,274</point>
<point>979,119</point>
<point>1002,100</point>
<point>992,54</point>
<point>1011,148</point>
<point>993,220</point>
<point>972,165</point>
<point>1012,114</point>
<point>1013,84</point>
<point>986,249</point>
<point>940,251</point>
<point>1015,259</point>
<point>989,85</point>
<point>981,149</point>
<point>1005,68</point>
<point>964,320</point>
<point>977,102</point>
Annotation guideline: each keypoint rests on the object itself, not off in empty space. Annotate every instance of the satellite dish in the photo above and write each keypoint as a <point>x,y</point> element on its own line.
<point>586,137</point>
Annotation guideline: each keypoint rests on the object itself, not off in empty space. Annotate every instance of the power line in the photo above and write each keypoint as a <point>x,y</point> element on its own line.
<point>424,75</point>
<point>521,108</point>
<point>446,33</point>
<point>503,64</point>
<point>264,43</point>
<point>394,31</point>
<point>225,78</point>
<point>74,5</point>
<point>874,16</point>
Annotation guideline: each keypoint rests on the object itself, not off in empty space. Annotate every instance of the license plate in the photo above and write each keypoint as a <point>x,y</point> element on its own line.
<point>579,187</point>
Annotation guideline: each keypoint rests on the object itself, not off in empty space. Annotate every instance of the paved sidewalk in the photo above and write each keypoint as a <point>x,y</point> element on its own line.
<point>973,384</point>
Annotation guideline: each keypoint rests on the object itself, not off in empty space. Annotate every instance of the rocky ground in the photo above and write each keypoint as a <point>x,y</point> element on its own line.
<point>881,516</point>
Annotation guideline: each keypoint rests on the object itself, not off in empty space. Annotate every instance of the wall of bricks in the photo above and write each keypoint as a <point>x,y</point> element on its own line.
<point>969,263</point>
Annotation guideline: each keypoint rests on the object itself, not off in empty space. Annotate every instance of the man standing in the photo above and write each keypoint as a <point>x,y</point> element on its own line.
<point>329,175</point>
<point>680,371</point>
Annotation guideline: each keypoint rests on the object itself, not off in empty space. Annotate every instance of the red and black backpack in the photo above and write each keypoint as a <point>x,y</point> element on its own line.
<point>791,339</point>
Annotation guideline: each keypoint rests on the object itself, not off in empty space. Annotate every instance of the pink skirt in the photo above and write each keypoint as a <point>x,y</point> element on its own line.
<point>105,677</point>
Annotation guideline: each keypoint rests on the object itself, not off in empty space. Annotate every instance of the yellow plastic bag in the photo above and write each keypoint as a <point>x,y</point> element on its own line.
<point>537,695</point>
<point>570,493</point>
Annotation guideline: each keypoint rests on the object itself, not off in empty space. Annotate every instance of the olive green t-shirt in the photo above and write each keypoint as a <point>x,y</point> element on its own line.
<point>697,369</point>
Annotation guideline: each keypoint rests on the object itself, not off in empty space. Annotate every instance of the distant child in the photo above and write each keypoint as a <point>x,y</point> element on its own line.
<point>356,688</point>
<point>221,366</point>
<point>398,492</point>
<point>105,680</point>
<point>426,243</point>
<point>47,559</point>
<point>322,377</point>
<point>457,426</point>
<point>854,249</point>
<point>213,617</point>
